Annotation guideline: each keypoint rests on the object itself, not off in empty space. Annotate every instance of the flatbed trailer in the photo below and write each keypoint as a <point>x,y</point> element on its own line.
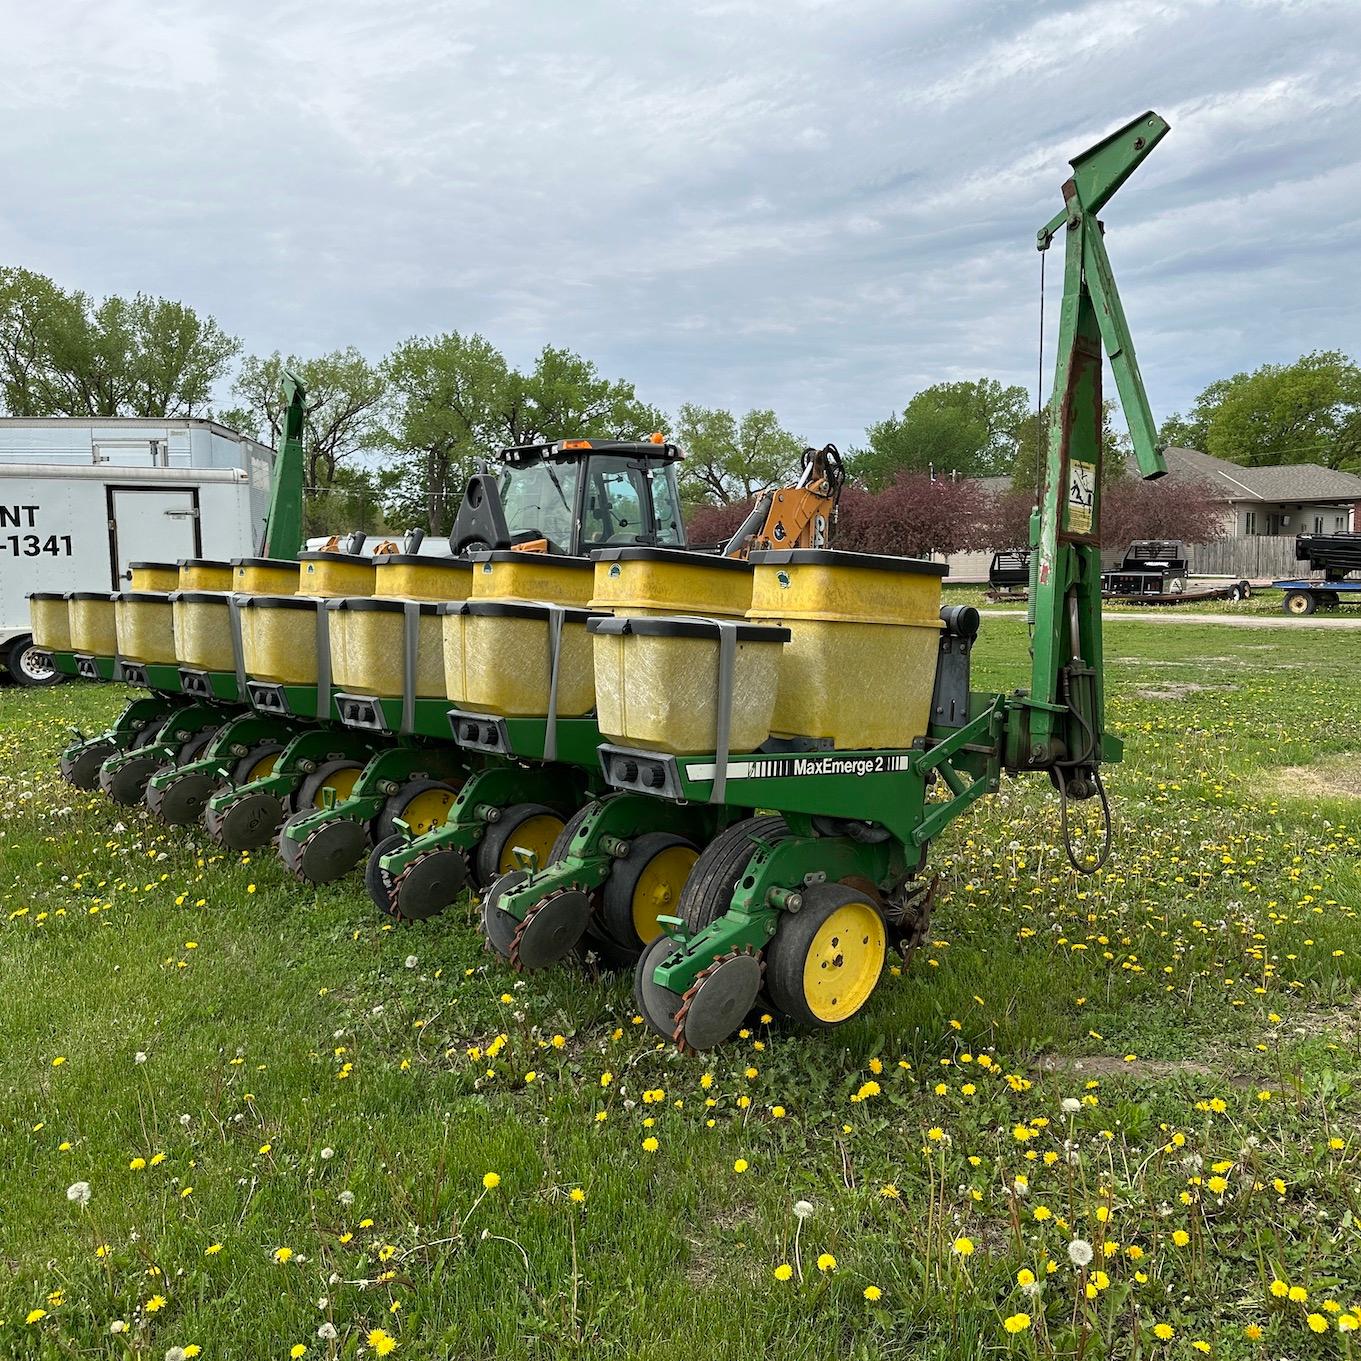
<point>1305,595</point>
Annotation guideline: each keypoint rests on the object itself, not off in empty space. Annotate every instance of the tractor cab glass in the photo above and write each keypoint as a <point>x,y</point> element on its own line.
<point>628,502</point>
<point>617,499</point>
<point>539,498</point>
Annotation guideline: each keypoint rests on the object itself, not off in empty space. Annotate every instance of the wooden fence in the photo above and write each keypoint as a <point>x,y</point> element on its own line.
<point>1256,557</point>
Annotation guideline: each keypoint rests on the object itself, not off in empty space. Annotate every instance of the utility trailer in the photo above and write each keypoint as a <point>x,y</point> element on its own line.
<point>1335,557</point>
<point>1307,595</point>
<point>81,499</point>
<point>1009,575</point>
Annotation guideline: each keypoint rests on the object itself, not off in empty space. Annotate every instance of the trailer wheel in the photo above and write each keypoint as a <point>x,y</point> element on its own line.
<point>1300,602</point>
<point>824,962</point>
<point>1236,593</point>
<point>21,659</point>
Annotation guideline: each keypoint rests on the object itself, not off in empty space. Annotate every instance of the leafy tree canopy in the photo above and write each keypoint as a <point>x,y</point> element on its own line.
<point>729,458</point>
<point>969,428</point>
<point>62,354</point>
<point>1305,412</point>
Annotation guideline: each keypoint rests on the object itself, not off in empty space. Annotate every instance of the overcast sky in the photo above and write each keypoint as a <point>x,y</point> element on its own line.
<point>819,207</point>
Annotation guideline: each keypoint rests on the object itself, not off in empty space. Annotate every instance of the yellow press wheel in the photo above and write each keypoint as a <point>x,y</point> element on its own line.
<point>256,763</point>
<point>530,827</point>
<point>645,885</point>
<point>824,961</point>
<point>422,804</point>
<point>338,775</point>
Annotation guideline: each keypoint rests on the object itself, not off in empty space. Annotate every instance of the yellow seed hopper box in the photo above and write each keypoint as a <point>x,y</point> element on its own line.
<point>662,581</point>
<point>657,682</point>
<point>335,574</point>
<point>144,626</point>
<point>49,616</point>
<point>860,667</point>
<point>264,576</point>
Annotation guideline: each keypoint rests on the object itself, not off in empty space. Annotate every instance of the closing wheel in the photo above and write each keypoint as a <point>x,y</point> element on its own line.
<point>79,765</point>
<point>326,853</point>
<point>551,930</point>
<point>256,763</point>
<point>422,804</point>
<point>182,799</point>
<point>338,775</point>
<point>717,1002</point>
<point>194,746</point>
<point>429,884</point>
<point>523,826</point>
<point>248,822</point>
<point>500,927</point>
<point>1300,602</point>
<point>375,876</point>
<point>645,885</point>
<point>824,961</point>
<point>657,1005</point>
<point>126,783</point>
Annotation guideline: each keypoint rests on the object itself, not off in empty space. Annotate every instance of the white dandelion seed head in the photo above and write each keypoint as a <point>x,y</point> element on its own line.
<point>1022,1188</point>
<point>139,1057</point>
<point>324,1303</point>
<point>79,1192</point>
<point>1032,1289</point>
<point>411,961</point>
<point>333,1278</point>
<point>327,1154</point>
<point>1071,1105</point>
<point>346,1197</point>
<point>118,1326</point>
<point>174,1354</point>
<point>327,1332</point>
<point>803,1208</point>
<point>1080,1252</point>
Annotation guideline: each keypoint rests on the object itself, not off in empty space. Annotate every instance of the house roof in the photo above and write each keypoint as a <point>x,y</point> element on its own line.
<point>1296,483</point>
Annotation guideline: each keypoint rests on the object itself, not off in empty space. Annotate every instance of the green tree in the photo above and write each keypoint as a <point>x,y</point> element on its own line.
<point>449,400</point>
<point>728,458</point>
<point>454,400</point>
<point>63,355</point>
<point>965,427</point>
<point>1305,412</point>
<point>343,393</point>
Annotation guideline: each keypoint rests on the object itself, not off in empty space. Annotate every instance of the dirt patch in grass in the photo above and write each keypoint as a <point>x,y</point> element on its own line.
<point>1171,690</point>
<point>1334,777</point>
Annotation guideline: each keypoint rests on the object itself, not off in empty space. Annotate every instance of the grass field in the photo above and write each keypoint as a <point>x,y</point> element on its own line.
<point>1116,1116</point>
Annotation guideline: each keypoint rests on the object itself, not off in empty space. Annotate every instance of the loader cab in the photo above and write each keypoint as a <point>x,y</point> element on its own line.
<point>572,496</point>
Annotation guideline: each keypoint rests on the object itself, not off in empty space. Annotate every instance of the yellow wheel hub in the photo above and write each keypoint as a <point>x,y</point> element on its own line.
<point>264,766</point>
<point>844,962</point>
<point>428,810</point>
<point>343,782</point>
<point>537,835</point>
<point>1299,604</point>
<point>659,888</point>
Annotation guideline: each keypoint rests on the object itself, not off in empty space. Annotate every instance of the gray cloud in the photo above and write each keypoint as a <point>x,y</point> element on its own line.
<point>819,207</point>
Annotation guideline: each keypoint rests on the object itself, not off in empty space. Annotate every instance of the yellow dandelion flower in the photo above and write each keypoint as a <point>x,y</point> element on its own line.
<point>491,1180</point>
<point>826,1262</point>
<point>784,1271</point>
<point>155,1304</point>
<point>740,1165</point>
<point>36,1316</point>
<point>650,1145</point>
<point>577,1194</point>
<point>1016,1323</point>
<point>962,1247</point>
<point>1164,1332</point>
<point>1299,1294</point>
<point>1279,1289</point>
<point>382,1343</point>
<point>1317,1323</point>
<point>282,1255</point>
<point>297,1349</point>
<point>873,1293</point>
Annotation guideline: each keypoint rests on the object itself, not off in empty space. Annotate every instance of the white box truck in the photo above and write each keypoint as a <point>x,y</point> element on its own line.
<point>82,498</point>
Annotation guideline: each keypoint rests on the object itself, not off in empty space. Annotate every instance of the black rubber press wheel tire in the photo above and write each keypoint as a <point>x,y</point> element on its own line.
<point>712,882</point>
